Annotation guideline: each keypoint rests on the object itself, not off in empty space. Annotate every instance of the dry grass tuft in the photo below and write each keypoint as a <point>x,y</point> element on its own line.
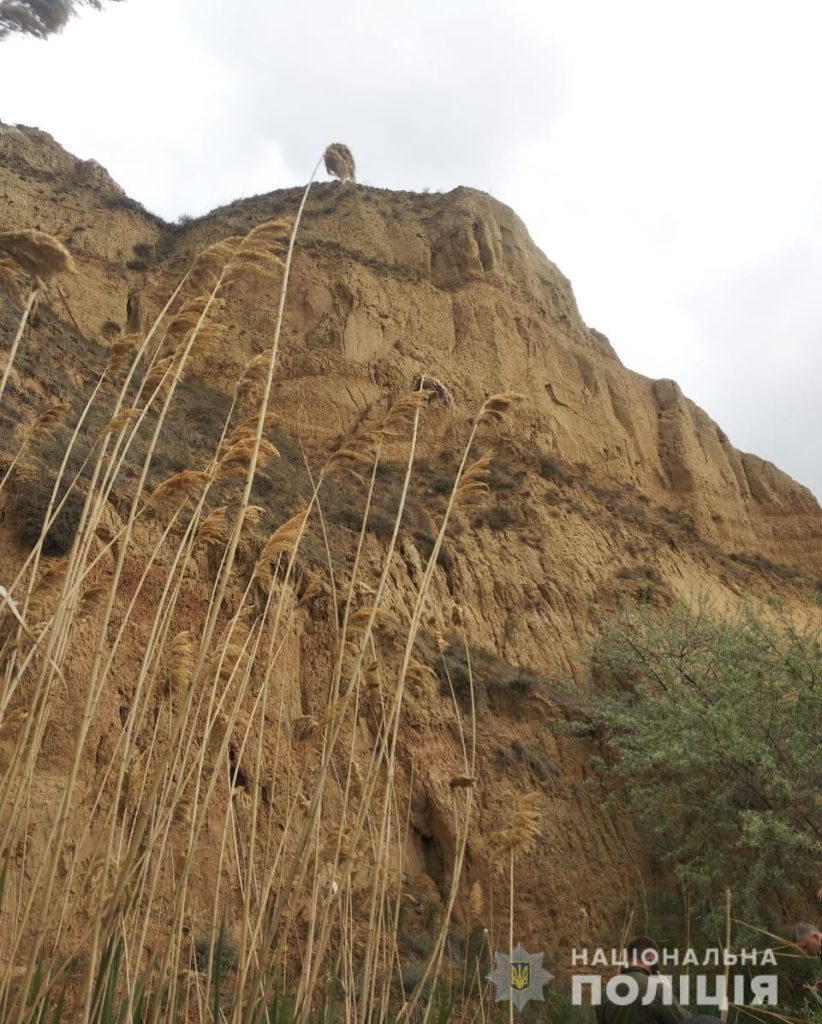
<point>188,315</point>
<point>251,259</point>
<point>339,161</point>
<point>210,263</point>
<point>39,254</point>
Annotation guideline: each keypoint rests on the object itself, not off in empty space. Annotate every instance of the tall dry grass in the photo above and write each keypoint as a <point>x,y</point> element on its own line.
<point>99,914</point>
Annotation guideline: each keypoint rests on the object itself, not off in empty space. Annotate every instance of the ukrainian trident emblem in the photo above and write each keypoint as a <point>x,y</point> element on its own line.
<point>519,976</point>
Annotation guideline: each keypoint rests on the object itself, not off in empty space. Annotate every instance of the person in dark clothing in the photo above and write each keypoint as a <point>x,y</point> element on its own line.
<point>809,939</point>
<point>642,967</point>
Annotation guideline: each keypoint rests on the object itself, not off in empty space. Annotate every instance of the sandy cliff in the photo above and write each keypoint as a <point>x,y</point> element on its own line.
<point>607,485</point>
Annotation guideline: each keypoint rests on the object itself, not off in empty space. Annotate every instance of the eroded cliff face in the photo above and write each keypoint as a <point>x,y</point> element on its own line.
<point>608,486</point>
<point>391,285</point>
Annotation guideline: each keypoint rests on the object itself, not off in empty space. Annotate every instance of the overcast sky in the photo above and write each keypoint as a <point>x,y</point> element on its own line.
<point>667,156</point>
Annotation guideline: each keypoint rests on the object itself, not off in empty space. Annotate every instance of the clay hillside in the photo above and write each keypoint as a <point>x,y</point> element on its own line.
<point>603,487</point>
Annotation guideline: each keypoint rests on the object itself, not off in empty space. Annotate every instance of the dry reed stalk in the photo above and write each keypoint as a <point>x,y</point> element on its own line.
<point>58,828</point>
<point>246,430</point>
<point>283,541</point>
<point>52,512</point>
<point>29,305</point>
<point>202,803</point>
<point>159,628</point>
<point>158,381</point>
<point>276,915</point>
<point>250,259</point>
<point>494,408</point>
<point>230,553</point>
<point>129,345</point>
<point>41,256</point>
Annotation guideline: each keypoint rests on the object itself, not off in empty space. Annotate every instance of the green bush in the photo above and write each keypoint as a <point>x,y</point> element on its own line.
<point>714,720</point>
<point>223,956</point>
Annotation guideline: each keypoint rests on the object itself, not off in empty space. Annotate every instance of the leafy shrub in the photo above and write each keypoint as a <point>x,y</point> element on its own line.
<point>714,720</point>
<point>224,956</point>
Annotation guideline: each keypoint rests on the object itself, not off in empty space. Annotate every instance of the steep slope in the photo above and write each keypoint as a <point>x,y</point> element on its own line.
<point>607,485</point>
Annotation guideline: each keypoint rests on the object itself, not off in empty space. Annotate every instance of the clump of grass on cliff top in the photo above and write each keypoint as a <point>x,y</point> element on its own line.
<point>159,648</point>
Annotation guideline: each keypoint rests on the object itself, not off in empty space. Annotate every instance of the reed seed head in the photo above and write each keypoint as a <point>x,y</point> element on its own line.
<point>120,421</point>
<point>47,422</point>
<point>181,664</point>
<point>339,162</point>
<point>497,406</point>
<point>476,904</point>
<point>473,484</point>
<point>213,528</point>
<point>39,254</point>
<point>12,283</point>
<point>121,352</point>
<point>178,489</point>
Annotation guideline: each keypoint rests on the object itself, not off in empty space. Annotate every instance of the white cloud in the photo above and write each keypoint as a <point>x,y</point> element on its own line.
<point>665,157</point>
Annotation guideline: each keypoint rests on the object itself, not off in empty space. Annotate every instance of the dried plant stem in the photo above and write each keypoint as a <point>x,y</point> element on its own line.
<point>511,925</point>
<point>31,298</point>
